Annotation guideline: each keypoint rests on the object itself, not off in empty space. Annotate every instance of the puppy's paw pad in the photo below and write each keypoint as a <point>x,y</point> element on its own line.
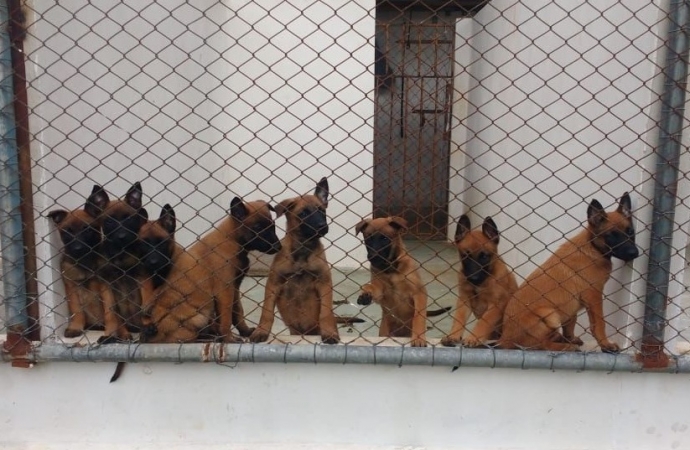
<point>364,299</point>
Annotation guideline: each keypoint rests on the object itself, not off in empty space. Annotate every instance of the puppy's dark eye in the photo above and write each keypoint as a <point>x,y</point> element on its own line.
<point>260,227</point>
<point>484,257</point>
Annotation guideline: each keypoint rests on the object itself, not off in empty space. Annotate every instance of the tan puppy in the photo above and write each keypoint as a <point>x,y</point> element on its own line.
<point>573,278</point>
<point>224,251</point>
<point>395,282</point>
<point>80,263</point>
<point>299,281</point>
<point>121,222</point>
<point>177,295</point>
<point>485,284</point>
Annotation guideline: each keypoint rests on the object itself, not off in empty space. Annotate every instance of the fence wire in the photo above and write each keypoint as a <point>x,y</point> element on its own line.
<point>449,174</point>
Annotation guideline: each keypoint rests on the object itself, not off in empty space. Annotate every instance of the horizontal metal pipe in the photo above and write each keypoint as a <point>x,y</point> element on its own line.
<point>342,354</point>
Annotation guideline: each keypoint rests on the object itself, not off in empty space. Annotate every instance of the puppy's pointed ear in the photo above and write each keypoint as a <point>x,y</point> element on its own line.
<point>58,216</point>
<point>361,226</point>
<point>596,216</point>
<point>398,223</point>
<point>625,206</point>
<point>284,206</point>
<point>134,196</point>
<point>490,230</point>
<point>321,191</point>
<point>464,226</point>
<point>167,219</point>
<point>97,201</point>
<point>238,209</point>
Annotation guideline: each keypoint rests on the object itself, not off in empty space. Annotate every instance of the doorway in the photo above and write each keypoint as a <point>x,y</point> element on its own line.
<point>414,94</point>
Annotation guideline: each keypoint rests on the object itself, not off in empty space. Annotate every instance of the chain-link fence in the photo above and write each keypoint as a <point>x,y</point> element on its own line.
<point>465,176</point>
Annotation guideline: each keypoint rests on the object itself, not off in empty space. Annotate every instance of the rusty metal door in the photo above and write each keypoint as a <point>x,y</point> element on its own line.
<point>411,125</point>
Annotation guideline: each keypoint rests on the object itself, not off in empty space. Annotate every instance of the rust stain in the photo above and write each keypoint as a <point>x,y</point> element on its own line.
<point>206,352</point>
<point>652,354</point>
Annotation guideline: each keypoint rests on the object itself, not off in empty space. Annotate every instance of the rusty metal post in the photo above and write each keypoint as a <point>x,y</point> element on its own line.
<point>666,182</point>
<point>11,239</point>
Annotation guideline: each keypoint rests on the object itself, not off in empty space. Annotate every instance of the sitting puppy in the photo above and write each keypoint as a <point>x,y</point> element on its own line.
<point>224,251</point>
<point>573,278</point>
<point>80,263</point>
<point>299,280</point>
<point>395,282</point>
<point>485,284</point>
<point>177,299</point>
<point>121,222</point>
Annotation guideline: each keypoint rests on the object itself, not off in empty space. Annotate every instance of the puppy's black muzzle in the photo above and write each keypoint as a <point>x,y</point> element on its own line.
<point>121,233</point>
<point>266,241</point>
<point>314,225</point>
<point>622,245</point>
<point>474,272</point>
<point>82,243</point>
<point>379,251</point>
<point>627,252</point>
<point>155,252</point>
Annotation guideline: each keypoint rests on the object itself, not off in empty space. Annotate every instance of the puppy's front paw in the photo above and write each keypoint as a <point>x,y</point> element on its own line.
<point>246,332</point>
<point>148,331</point>
<point>448,341</point>
<point>109,339</point>
<point>259,335</point>
<point>364,299</point>
<point>232,339</point>
<point>471,341</point>
<point>330,338</point>
<point>610,347</point>
<point>73,332</point>
<point>418,342</point>
<point>575,340</point>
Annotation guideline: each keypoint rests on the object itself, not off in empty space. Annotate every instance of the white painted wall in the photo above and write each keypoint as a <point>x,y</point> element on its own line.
<point>304,406</point>
<point>213,100</point>
<point>555,107</point>
<point>336,406</point>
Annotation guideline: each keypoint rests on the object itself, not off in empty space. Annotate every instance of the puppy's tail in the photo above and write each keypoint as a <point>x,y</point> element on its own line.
<point>438,312</point>
<point>348,320</point>
<point>118,371</point>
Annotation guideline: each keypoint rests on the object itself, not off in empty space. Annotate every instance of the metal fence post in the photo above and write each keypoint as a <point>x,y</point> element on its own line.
<point>666,182</point>
<point>11,239</point>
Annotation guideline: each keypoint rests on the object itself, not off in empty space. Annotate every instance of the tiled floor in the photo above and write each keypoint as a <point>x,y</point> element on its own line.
<point>438,261</point>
